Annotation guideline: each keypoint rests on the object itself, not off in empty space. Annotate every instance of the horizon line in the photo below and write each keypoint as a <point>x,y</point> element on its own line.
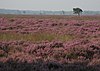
<point>43,10</point>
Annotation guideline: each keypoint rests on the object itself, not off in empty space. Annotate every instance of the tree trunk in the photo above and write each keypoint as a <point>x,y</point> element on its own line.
<point>78,14</point>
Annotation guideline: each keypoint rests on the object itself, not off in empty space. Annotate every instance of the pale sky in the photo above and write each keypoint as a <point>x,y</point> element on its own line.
<point>66,5</point>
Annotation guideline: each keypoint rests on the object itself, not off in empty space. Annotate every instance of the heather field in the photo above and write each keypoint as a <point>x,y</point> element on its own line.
<point>49,43</point>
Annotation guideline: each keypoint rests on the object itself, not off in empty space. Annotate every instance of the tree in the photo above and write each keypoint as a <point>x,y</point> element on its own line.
<point>77,11</point>
<point>24,12</point>
<point>63,12</point>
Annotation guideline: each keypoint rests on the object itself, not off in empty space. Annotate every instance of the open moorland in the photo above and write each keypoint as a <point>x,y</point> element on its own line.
<point>49,43</point>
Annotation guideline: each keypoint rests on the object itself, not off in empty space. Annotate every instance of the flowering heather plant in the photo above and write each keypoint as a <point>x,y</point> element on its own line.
<point>49,43</point>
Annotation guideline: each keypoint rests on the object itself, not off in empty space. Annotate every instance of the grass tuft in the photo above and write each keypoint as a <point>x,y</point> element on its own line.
<point>37,37</point>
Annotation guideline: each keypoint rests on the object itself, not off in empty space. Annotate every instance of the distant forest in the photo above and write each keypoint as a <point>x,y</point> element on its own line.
<point>42,12</point>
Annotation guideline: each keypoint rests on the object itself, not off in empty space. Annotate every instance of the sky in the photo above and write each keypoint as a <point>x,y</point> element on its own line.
<point>53,5</point>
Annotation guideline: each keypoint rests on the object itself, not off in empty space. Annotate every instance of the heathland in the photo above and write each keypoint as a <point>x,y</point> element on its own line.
<point>49,43</point>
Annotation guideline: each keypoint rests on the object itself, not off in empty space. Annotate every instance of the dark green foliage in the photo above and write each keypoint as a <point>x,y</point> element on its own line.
<point>77,11</point>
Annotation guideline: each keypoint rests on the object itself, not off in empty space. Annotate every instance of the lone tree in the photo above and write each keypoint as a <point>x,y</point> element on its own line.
<point>77,11</point>
<point>63,12</point>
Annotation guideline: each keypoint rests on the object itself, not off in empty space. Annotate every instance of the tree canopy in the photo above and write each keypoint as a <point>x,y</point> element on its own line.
<point>77,11</point>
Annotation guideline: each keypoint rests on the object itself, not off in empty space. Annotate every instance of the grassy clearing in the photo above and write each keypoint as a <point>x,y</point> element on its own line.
<point>37,37</point>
